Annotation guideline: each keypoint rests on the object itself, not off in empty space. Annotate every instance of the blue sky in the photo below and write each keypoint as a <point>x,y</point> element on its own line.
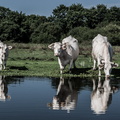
<point>45,7</point>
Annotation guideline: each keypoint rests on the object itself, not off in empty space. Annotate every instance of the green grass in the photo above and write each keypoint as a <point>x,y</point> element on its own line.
<point>38,60</point>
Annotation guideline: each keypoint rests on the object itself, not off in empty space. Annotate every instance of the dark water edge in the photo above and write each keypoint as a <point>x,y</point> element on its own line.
<point>43,98</point>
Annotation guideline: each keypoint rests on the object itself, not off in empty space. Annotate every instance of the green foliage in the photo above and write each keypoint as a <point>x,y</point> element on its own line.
<point>83,23</point>
<point>75,16</point>
<point>9,31</point>
<point>85,35</point>
<point>46,33</point>
<point>113,33</point>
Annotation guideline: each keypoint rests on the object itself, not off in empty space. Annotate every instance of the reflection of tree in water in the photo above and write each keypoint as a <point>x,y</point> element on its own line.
<point>14,80</point>
<point>101,96</point>
<point>77,83</point>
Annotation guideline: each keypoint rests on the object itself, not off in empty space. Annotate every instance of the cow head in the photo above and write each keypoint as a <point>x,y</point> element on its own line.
<point>57,47</point>
<point>1,48</point>
<point>107,67</point>
<point>5,50</point>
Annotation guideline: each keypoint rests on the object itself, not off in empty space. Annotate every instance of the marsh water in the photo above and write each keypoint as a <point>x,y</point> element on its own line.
<point>37,98</point>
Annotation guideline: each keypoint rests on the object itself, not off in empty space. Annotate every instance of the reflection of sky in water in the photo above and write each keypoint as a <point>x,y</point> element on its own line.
<point>30,97</point>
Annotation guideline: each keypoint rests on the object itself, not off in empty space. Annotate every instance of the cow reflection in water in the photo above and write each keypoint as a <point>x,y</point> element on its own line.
<point>101,96</point>
<point>3,89</point>
<point>65,98</point>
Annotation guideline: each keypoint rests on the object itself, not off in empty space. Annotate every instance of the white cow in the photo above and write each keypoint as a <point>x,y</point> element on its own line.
<point>102,53</point>
<point>4,51</point>
<point>65,98</point>
<point>67,52</point>
<point>101,96</point>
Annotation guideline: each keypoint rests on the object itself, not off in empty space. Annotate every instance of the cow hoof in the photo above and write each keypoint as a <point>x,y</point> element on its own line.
<point>94,69</point>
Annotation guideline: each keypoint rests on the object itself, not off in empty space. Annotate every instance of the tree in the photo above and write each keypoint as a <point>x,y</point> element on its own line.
<point>9,31</point>
<point>95,15</point>
<point>113,14</point>
<point>46,33</point>
<point>4,12</point>
<point>59,17</point>
<point>112,31</point>
<point>75,16</point>
<point>82,23</point>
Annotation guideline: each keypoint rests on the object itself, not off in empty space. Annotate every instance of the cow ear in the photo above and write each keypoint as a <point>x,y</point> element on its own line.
<point>51,46</point>
<point>64,46</point>
<point>114,64</point>
<point>9,47</point>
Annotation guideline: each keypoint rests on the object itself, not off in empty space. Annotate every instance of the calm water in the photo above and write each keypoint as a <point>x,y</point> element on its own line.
<point>36,98</point>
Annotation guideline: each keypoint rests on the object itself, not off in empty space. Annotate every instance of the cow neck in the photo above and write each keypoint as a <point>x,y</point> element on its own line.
<point>63,55</point>
<point>106,53</point>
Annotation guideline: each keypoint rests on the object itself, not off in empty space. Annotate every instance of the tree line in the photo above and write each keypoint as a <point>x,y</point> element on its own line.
<point>82,23</point>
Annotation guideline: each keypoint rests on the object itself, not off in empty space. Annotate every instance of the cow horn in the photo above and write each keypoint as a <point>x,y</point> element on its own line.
<point>64,46</point>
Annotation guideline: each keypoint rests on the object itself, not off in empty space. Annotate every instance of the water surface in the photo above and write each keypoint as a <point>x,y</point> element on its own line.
<point>37,98</point>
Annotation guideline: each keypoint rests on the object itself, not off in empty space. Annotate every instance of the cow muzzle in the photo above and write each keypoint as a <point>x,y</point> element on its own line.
<point>107,76</point>
<point>56,55</point>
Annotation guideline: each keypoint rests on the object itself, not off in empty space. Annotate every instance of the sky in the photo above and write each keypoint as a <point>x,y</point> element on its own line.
<point>45,7</point>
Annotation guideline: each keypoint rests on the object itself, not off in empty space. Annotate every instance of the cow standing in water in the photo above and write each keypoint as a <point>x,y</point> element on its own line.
<point>4,51</point>
<point>101,96</point>
<point>67,52</point>
<point>102,53</point>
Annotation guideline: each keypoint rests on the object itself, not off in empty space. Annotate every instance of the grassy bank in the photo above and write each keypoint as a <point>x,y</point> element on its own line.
<point>38,60</point>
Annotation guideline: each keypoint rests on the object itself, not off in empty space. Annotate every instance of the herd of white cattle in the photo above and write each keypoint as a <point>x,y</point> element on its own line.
<point>68,52</point>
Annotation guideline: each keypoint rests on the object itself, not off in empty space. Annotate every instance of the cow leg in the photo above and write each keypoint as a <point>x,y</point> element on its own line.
<point>0,67</point>
<point>61,66</point>
<point>99,72</point>
<point>1,64</point>
<point>60,84</point>
<point>71,64</point>
<point>93,84</point>
<point>70,85</point>
<point>74,64</point>
<point>100,88</point>
<point>4,65</point>
<point>61,69</point>
<point>99,82</point>
<point>94,64</point>
<point>99,67</point>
